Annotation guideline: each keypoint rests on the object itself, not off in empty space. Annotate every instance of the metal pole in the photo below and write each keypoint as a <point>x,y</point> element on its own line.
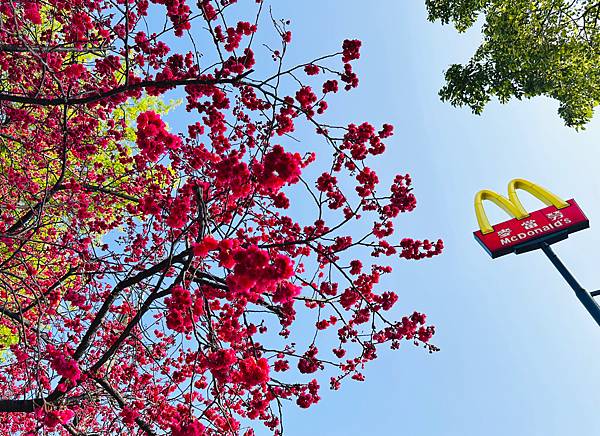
<point>584,296</point>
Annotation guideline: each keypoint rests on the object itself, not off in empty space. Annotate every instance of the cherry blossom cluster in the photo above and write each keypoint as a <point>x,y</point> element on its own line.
<point>152,137</point>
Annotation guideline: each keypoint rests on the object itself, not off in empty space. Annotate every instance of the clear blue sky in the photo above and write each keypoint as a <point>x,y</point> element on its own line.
<point>518,351</point>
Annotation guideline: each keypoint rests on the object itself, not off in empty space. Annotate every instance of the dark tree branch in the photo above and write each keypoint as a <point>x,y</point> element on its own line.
<point>166,263</point>
<point>97,96</point>
<point>25,406</point>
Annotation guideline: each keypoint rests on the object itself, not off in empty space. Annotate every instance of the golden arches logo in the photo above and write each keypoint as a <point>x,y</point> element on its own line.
<point>512,205</point>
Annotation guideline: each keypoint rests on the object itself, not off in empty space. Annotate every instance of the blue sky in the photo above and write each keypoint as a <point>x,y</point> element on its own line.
<point>518,351</point>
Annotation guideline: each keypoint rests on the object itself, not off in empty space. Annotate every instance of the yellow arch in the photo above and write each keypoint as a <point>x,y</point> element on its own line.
<point>542,194</point>
<point>501,201</point>
<point>512,205</point>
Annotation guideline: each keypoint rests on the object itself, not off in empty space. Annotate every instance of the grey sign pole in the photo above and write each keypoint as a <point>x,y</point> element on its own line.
<point>586,298</point>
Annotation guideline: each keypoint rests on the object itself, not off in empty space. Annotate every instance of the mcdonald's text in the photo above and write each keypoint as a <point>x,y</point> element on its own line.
<point>513,234</point>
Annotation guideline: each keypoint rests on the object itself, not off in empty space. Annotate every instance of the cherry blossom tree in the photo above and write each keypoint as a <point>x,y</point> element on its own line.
<point>156,282</point>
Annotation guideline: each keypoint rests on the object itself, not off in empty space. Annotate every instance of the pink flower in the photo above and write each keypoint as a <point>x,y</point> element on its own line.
<point>312,69</point>
<point>254,371</point>
<point>350,50</point>
<point>54,418</point>
<point>32,12</point>
<point>152,137</point>
<point>285,292</point>
<point>194,428</point>
<point>205,246</point>
<point>63,364</point>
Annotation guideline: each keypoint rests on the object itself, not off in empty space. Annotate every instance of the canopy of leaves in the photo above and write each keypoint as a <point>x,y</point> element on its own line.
<point>530,48</point>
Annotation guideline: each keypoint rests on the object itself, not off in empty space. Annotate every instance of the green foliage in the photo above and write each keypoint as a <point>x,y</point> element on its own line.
<point>7,338</point>
<point>128,113</point>
<point>530,48</point>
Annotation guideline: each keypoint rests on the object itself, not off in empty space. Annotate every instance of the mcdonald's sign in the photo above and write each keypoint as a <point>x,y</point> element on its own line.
<point>526,230</point>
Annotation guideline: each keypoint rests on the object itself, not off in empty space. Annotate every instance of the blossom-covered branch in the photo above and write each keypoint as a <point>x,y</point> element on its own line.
<point>185,281</point>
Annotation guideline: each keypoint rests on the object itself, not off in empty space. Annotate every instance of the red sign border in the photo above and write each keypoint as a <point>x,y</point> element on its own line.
<point>534,243</point>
